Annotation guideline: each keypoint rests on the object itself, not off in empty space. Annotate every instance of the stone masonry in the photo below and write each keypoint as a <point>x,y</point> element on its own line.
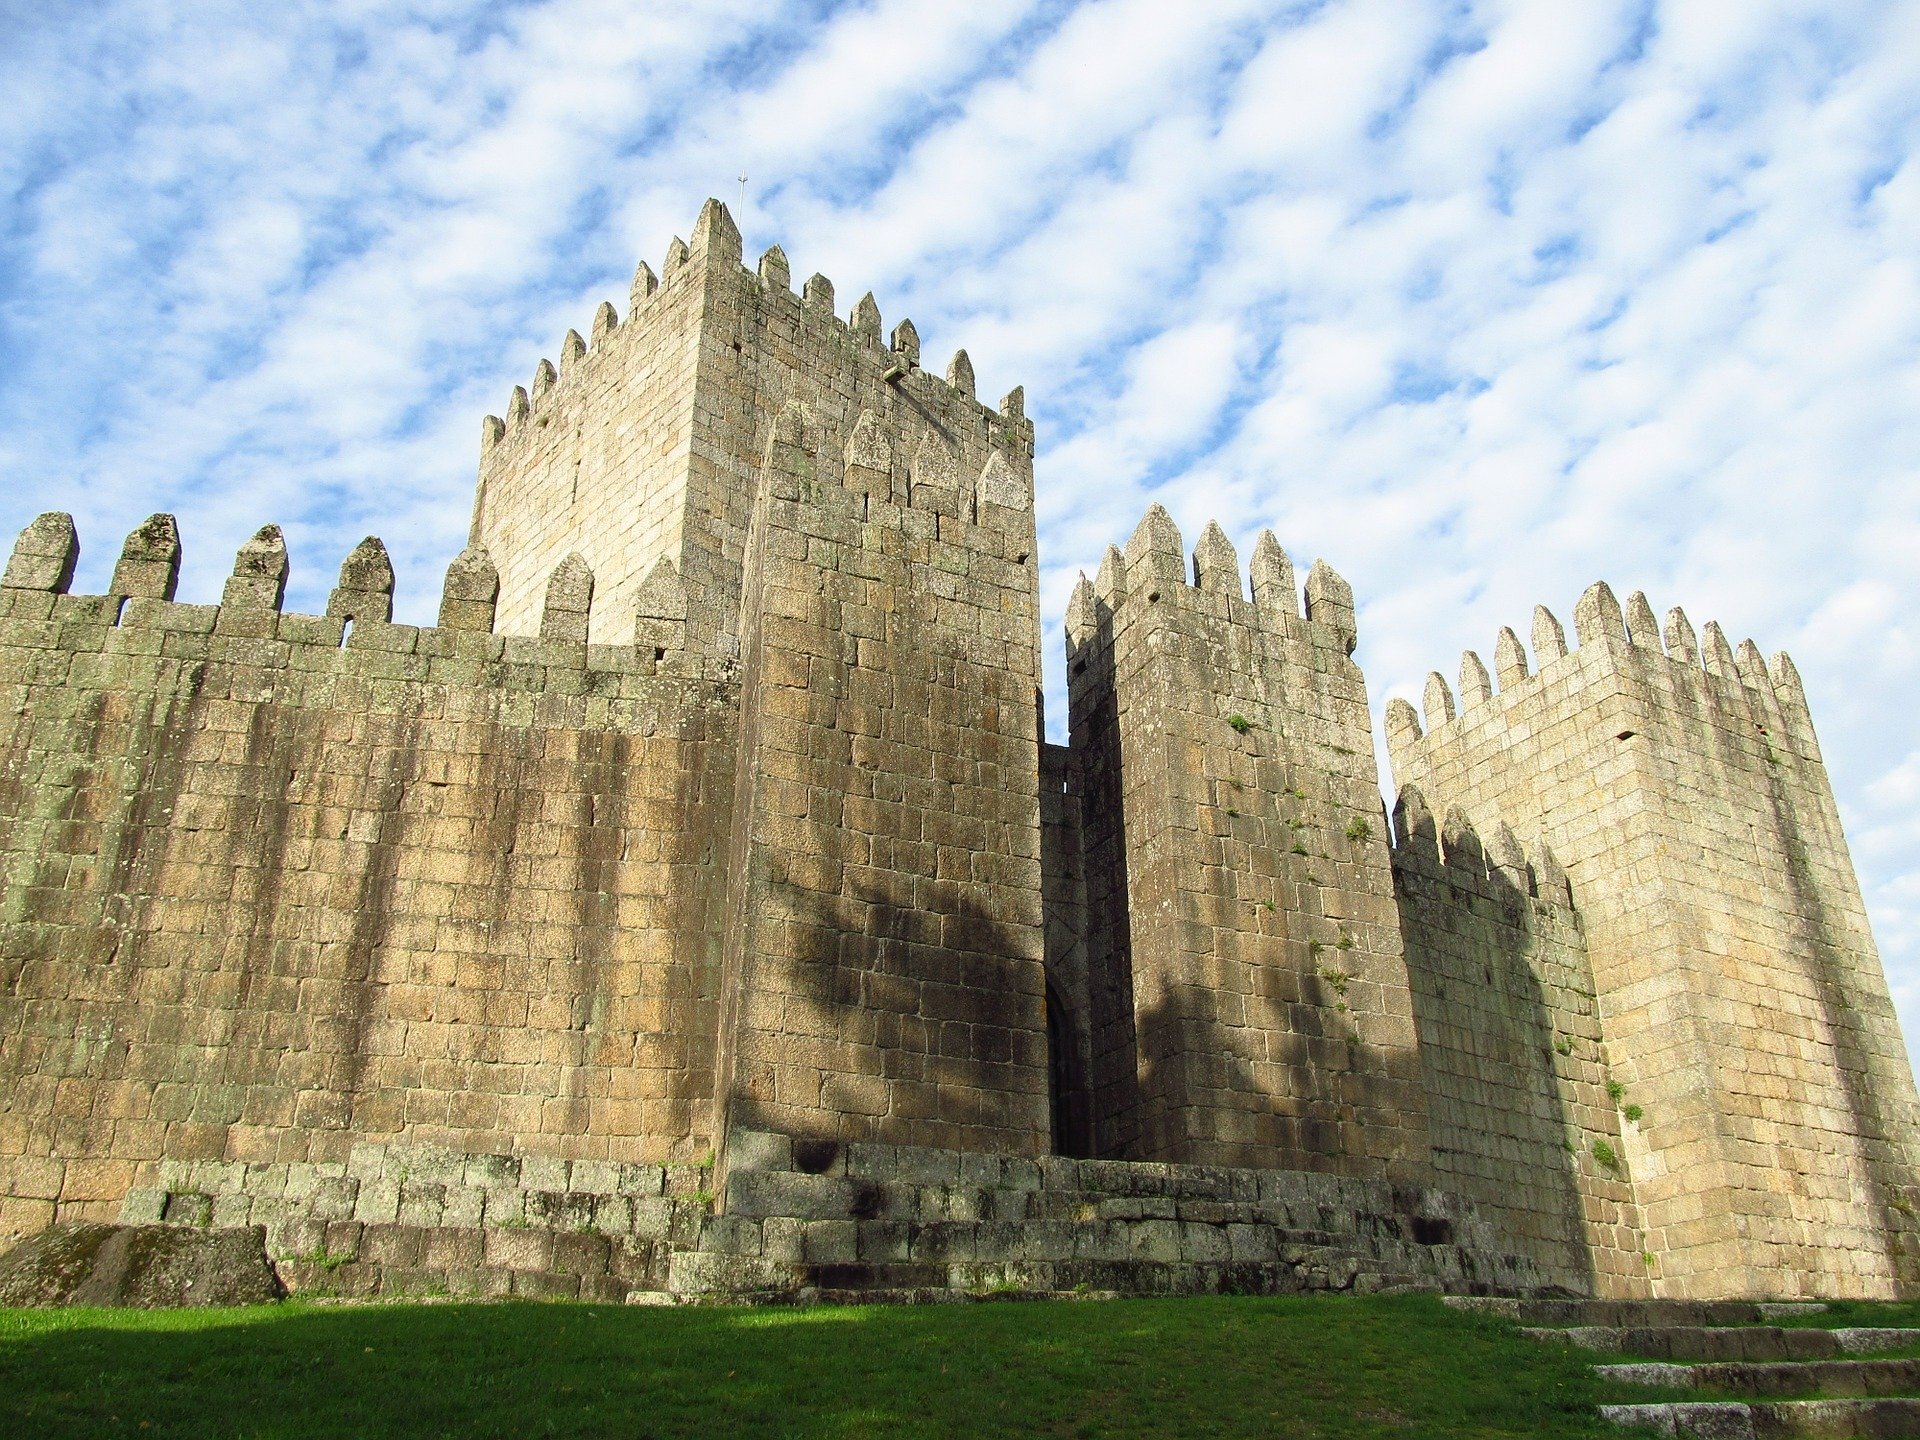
<point>696,910</point>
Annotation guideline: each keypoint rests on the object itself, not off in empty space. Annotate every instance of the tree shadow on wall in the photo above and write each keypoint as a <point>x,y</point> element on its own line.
<point>1497,1113</point>
<point>865,1016</point>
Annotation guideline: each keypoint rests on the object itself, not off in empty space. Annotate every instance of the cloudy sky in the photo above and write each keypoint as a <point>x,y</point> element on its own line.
<point>1480,301</point>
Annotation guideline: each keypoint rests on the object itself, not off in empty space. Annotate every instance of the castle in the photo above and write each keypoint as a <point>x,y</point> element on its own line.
<point>697,908</point>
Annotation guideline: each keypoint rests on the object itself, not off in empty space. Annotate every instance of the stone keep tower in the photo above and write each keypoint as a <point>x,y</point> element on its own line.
<point>1742,1002</point>
<point>800,494</point>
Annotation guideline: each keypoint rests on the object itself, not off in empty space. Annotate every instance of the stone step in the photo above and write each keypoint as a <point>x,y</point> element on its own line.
<point>1763,1380</point>
<point>1638,1314</point>
<point>1727,1342</point>
<point>1768,1419</point>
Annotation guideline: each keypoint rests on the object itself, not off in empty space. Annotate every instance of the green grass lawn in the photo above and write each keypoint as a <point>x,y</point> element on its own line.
<point>1314,1366</point>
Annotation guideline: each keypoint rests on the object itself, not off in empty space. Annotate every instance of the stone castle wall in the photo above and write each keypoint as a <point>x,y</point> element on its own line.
<point>1241,838</point>
<point>1513,1056</point>
<point>714,817</point>
<point>266,895</point>
<point>1744,1006</point>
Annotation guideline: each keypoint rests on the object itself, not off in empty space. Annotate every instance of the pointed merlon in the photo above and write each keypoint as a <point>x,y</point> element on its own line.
<point>1403,734</point>
<point>645,282</point>
<point>866,319</point>
<point>1752,666</point>
<point>1642,629</point>
<point>794,448</point>
<point>869,459</point>
<point>1716,653</point>
<point>774,272</point>
<point>932,468</point>
<point>960,373</point>
<point>1460,843</point>
<point>1476,686</point>
<point>1792,696</point>
<point>819,291</point>
<point>1013,405</point>
<point>715,234</point>
<point>365,591</point>
<point>1549,878</point>
<point>1506,856</point>
<point>518,407</point>
<point>44,556</point>
<point>662,594</point>
<point>660,610</point>
<point>1001,484</point>
<point>563,618</point>
<point>259,579</point>
<point>1083,613</point>
<point>1437,702</point>
<point>1786,678</point>
<point>605,321</point>
<point>471,589</point>
<point>1330,603</point>
<point>1597,619</point>
<point>1549,640</point>
<point>492,430</point>
<point>906,343</point>
<point>1154,550</point>
<point>572,350</point>
<point>676,257</point>
<point>543,378</point>
<point>1413,826</point>
<point>1682,643</point>
<point>1274,590</point>
<point>1216,564</point>
<point>149,565</point>
<point>1509,659</point>
<point>1110,580</point>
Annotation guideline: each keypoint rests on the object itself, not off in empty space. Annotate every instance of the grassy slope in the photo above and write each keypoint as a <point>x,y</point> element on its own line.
<point>1324,1366</point>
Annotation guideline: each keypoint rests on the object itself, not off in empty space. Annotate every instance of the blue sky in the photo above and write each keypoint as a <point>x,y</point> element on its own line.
<point>1481,302</point>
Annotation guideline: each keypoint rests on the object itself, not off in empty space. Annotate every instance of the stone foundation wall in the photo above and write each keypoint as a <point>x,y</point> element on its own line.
<point>802,1220</point>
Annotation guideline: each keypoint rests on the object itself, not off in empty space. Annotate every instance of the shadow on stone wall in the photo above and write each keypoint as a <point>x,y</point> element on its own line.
<point>1894,1186</point>
<point>866,1017</point>
<point>1497,1116</point>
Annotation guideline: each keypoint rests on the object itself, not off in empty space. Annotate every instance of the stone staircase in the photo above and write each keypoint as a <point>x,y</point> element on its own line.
<point>1776,1380</point>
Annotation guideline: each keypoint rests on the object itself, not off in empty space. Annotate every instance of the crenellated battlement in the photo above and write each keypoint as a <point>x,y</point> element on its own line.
<point>716,240</point>
<point>1767,694</point>
<point>355,639</point>
<point>645,442</point>
<point>1494,865</point>
<point>1153,570</point>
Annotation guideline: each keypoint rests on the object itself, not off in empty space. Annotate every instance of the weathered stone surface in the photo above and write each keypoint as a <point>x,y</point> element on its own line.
<point>707,856</point>
<point>140,1266</point>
